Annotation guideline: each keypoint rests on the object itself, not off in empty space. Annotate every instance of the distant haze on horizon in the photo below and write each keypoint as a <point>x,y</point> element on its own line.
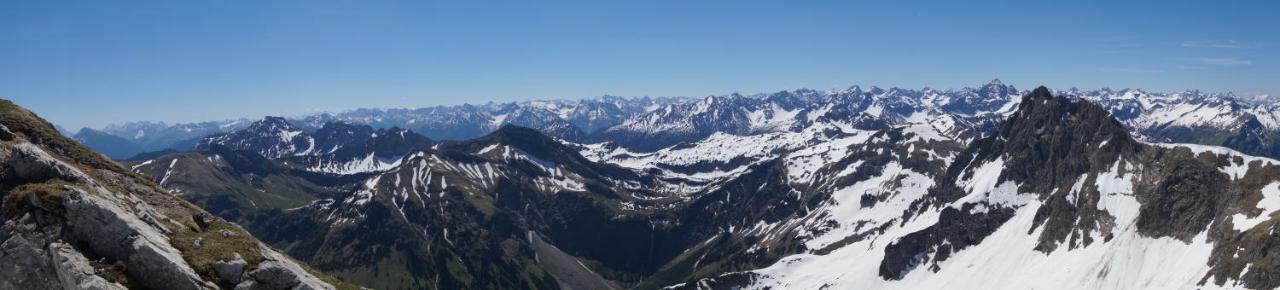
<point>90,64</point>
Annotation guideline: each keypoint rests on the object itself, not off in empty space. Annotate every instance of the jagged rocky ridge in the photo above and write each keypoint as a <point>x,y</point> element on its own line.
<point>72,219</point>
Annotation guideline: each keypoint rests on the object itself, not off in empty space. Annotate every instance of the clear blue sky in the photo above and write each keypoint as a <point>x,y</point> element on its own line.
<point>88,63</point>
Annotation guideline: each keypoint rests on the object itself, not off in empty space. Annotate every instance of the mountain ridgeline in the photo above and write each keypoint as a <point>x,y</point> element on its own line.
<point>336,147</point>
<point>72,219</point>
<point>850,189</point>
<point>648,124</point>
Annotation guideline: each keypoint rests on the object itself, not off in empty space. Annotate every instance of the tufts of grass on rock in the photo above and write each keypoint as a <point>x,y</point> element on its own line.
<point>219,241</point>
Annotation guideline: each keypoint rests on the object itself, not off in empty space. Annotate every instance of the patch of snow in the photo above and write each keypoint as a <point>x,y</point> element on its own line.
<point>1270,203</point>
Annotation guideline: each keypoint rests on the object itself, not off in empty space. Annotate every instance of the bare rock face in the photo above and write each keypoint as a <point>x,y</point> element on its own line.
<point>74,270</point>
<point>89,215</point>
<point>71,219</point>
<point>29,163</point>
<point>24,266</point>
<point>114,234</point>
<point>956,229</point>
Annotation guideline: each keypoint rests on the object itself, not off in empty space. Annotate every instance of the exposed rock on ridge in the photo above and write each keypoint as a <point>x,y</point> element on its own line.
<point>74,220</point>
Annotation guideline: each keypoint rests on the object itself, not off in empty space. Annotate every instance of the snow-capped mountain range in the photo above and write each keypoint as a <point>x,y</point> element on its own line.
<point>1060,197</point>
<point>648,124</point>
<point>850,189</point>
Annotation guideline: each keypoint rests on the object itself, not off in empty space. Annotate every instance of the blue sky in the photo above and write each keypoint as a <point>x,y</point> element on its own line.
<point>89,63</point>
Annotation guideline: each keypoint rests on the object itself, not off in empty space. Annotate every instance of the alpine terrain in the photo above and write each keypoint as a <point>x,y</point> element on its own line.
<point>851,189</point>
<point>73,219</point>
<point>639,145</point>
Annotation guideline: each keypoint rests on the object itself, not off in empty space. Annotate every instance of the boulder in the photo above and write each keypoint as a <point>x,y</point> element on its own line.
<point>277,272</point>
<point>30,163</point>
<point>230,271</point>
<point>6,134</point>
<point>74,270</point>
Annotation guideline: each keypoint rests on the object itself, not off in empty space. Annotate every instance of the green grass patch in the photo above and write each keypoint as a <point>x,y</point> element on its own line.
<point>201,249</point>
<point>6,105</point>
<point>46,195</point>
<point>483,204</point>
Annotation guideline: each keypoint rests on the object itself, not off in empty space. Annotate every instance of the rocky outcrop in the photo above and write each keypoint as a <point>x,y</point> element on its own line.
<point>278,272</point>
<point>25,266</point>
<point>117,235</point>
<point>74,220</point>
<point>956,230</point>
<point>74,270</point>
<point>1184,202</point>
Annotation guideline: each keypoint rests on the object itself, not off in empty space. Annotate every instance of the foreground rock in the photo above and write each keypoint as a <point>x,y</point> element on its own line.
<point>71,219</point>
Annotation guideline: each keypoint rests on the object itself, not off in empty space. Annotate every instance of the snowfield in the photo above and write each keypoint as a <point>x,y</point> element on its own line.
<point>1006,259</point>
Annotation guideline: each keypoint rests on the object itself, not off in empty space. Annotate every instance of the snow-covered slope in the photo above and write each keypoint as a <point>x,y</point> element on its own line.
<point>690,167</point>
<point>1079,205</point>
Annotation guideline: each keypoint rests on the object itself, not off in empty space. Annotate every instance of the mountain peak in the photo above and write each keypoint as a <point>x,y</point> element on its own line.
<point>1059,136</point>
<point>271,122</point>
<point>1041,93</point>
<point>274,119</point>
<point>529,140</point>
<point>273,137</point>
<point>1043,111</point>
<point>995,82</point>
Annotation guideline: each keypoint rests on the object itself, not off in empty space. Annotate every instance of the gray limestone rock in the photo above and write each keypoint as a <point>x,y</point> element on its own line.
<point>24,266</point>
<point>278,272</point>
<point>74,270</point>
<point>230,271</point>
<point>115,234</point>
